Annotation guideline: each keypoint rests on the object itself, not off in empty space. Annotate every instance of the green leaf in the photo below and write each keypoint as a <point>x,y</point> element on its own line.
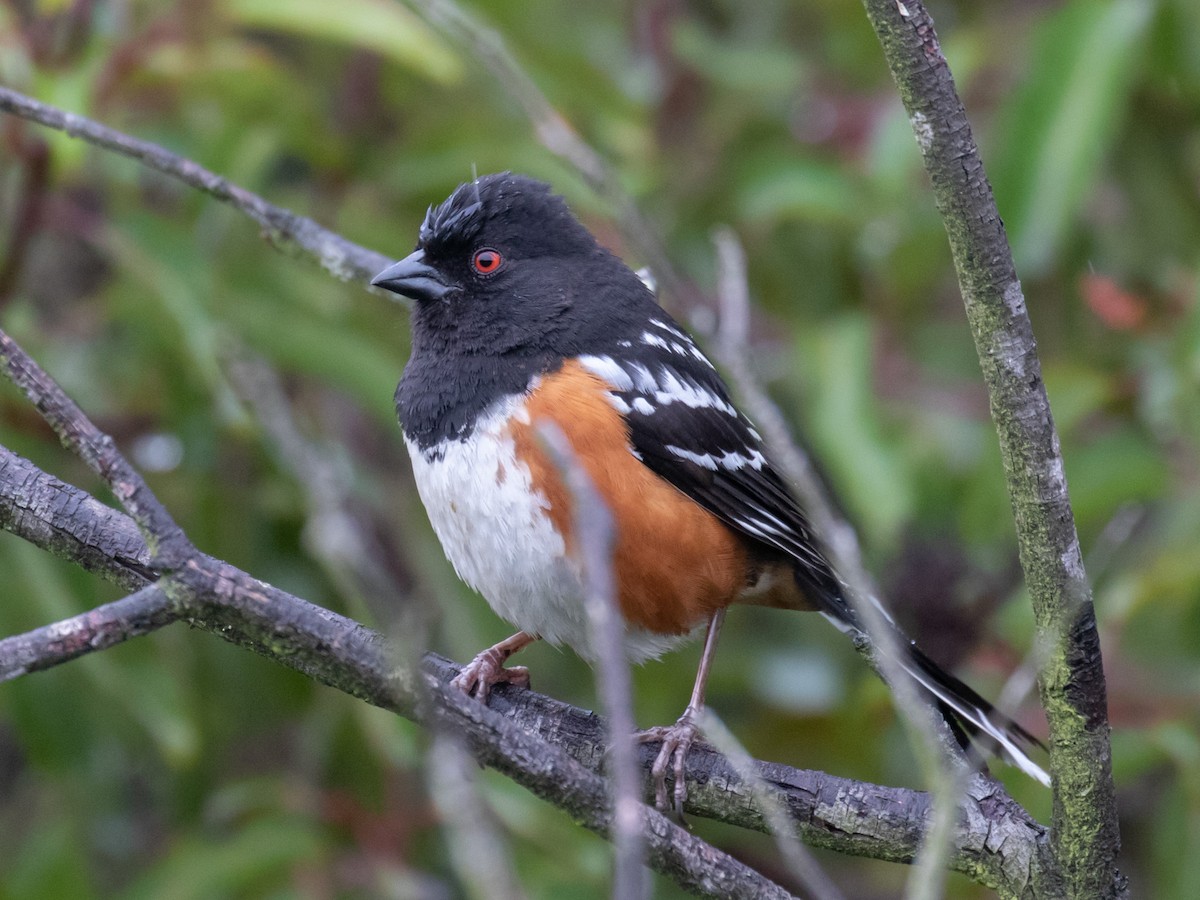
<point>380,25</point>
<point>50,860</point>
<point>847,430</point>
<point>1116,468</point>
<point>1062,121</point>
<point>747,67</point>
<point>1076,392</point>
<point>799,189</point>
<point>244,863</point>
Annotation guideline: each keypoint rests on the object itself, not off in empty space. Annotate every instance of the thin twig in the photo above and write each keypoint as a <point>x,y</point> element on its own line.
<point>803,866</point>
<point>594,535</point>
<point>97,629</point>
<point>169,545</point>
<point>941,759</point>
<point>343,259</point>
<point>473,840</point>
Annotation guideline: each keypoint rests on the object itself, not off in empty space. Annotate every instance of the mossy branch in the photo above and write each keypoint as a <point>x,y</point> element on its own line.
<point>1085,835</point>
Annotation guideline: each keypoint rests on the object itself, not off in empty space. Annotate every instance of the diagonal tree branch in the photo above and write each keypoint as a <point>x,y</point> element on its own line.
<point>1085,834</point>
<point>995,841</point>
<point>98,629</point>
<point>326,646</point>
<point>168,544</point>
<point>343,259</point>
<point>71,524</point>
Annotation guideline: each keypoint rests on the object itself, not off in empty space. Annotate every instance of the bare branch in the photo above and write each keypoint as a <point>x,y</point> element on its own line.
<point>343,259</point>
<point>71,524</point>
<point>803,866</point>
<point>595,535</point>
<point>168,543</point>
<point>557,777</point>
<point>97,629</point>
<point>1086,830</point>
<point>996,842</point>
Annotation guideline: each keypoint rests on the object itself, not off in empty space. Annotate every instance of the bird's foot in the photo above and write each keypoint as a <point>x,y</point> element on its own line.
<point>676,740</point>
<point>486,670</point>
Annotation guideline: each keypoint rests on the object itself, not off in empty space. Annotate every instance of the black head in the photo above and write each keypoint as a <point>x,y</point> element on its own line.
<point>503,264</point>
<point>507,283</point>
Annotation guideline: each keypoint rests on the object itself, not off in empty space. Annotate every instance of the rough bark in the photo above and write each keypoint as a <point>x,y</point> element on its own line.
<point>1085,834</point>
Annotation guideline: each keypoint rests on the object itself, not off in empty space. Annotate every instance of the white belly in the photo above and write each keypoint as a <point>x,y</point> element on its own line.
<point>496,532</point>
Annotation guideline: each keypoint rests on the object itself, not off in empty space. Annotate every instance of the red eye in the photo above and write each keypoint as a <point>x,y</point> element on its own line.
<point>487,261</point>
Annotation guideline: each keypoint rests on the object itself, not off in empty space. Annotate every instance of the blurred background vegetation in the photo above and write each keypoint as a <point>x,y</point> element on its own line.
<point>179,766</point>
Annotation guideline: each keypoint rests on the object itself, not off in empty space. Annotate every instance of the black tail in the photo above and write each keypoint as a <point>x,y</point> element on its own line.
<point>993,730</point>
<point>963,707</point>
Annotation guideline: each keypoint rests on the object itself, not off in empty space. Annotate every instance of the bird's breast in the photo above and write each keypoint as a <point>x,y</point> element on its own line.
<point>504,518</point>
<point>495,529</point>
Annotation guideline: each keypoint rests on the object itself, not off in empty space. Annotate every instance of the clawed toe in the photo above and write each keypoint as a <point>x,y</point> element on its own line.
<point>477,679</point>
<point>676,740</point>
<point>487,669</point>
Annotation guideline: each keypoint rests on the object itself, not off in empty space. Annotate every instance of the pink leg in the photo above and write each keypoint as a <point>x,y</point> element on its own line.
<point>677,739</point>
<point>487,669</point>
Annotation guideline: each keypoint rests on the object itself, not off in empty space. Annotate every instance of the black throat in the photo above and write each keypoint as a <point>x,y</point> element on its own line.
<point>442,395</point>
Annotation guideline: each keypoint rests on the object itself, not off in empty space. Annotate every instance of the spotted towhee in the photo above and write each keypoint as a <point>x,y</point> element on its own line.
<point>521,316</point>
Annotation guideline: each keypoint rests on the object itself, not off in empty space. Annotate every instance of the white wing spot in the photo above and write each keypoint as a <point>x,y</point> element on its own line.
<point>681,347</point>
<point>643,380</point>
<point>730,461</point>
<point>609,369</point>
<point>677,390</point>
<point>618,404</point>
<point>701,459</point>
<point>653,340</point>
<point>670,329</point>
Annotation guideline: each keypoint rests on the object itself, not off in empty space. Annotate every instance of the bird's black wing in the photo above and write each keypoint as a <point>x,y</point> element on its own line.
<point>684,427</point>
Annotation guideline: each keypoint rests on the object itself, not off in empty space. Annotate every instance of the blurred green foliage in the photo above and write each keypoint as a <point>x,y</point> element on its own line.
<point>178,766</point>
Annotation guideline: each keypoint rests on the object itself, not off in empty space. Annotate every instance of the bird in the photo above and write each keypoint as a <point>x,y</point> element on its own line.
<point>520,317</point>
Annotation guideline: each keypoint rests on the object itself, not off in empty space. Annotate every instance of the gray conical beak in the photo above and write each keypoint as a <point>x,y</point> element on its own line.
<point>411,277</point>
